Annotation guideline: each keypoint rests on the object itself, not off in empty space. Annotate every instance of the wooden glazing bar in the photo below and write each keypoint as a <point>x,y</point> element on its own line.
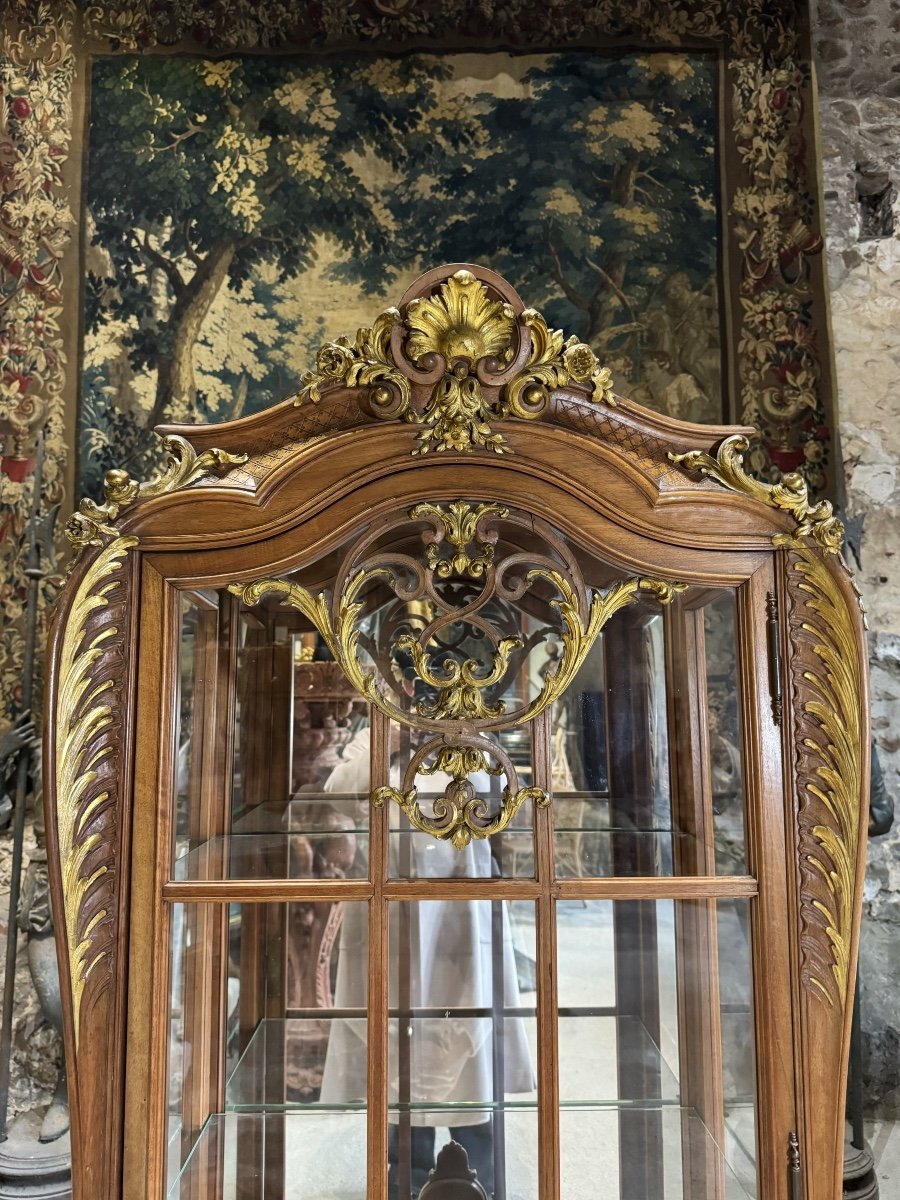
<point>266,891</point>
<point>547,984</point>
<point>640,887</point>
<point>404,1039</point>
<point>657,887</point>
<point>378,999</point>
<point>699,1024</point>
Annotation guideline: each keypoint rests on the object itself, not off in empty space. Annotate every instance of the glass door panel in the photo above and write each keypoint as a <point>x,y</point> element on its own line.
<point>655,1014</point>
<point>647,762</point>
<point>378,743</point>
<point>462,1039</point>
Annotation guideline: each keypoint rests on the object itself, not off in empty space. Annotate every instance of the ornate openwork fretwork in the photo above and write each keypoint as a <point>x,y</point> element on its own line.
<point>790,495</point>
<point>440,645</point>
<point>459,358</point>
<point>461,813</point>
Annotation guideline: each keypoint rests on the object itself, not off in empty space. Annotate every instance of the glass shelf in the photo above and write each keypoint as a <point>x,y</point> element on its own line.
<point>595,1051</point>
<point>341,852</point>
<point>313,1155</point>
<point>313,854</point>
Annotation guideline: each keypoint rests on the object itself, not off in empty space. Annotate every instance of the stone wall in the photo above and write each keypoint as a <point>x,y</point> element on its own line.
<point>858,65</point>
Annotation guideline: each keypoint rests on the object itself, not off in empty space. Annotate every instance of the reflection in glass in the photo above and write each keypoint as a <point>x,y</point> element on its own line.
<point>646,746</point>
<point>268,1012</point>
<point>655,1014</point>
<point>461,1033</point>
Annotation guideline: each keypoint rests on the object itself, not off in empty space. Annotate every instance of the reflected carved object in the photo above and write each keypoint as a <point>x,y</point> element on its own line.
<point>451,1177</point>
<point>456,360</point>
<point>88,718</point>
<point>459,696</point>
<point>323,703</point>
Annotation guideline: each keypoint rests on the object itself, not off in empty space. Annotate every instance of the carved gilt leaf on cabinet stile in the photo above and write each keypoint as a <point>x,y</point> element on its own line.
<point>828,747</point>
<point>828,725</point>
<point>89,729</point>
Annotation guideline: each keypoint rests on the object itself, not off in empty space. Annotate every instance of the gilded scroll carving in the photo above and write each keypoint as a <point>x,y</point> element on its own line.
<point>94,524</point>
<point>828,749</point>
<point>452,654</point>
<point>460,814</point>
<point>474,361</point>
<point>790,495</point>
<point>88,722</point>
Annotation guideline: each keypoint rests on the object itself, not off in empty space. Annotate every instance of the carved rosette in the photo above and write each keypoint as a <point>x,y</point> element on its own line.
<point>458,358</point>
<point>89,731</point>
<point>828,740</point>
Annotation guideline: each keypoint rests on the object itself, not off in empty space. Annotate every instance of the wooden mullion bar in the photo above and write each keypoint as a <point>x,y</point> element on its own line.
<point>547,983</point>
<point>642,887</point>
<point>377,1027</point>
<point>269,891</point>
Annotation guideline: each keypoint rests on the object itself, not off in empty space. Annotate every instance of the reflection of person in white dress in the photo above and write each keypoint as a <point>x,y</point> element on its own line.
<point>450,957</point>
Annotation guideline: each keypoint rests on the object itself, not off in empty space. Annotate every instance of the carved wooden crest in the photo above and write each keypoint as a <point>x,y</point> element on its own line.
<point>458,357</point>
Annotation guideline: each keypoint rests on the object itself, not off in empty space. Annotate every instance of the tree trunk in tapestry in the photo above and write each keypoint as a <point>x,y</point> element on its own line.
<point>175,372</point>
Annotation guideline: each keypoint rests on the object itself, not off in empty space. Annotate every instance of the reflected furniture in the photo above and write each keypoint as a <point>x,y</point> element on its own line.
<point>456,779</point>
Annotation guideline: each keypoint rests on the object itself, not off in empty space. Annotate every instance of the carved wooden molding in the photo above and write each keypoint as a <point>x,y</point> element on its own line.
<point>89,732</point>
<point>828,740</point>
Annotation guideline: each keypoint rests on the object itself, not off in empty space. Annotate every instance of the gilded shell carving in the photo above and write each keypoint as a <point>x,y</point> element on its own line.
<point>475,342</point>
<point>460,322</point>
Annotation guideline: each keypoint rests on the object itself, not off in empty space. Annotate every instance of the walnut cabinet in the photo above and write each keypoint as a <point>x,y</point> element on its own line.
<point>455,777</point>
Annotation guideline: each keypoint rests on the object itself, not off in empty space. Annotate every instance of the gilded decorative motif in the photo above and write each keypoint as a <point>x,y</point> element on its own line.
<point>461,525</point>
<point>447,610</point>
<point>93,524</point>
<point>828,740</point>
<point>460,814</point>
<point>474,340</point>
<point>555,362</point>
<point>87,715</point>
<point>790,495</point>
<point>366,362</point>
<point>461,685</point>
<point>460,323</point>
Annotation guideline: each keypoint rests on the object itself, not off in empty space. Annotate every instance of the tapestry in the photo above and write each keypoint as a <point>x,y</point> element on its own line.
<point>240,211</point>
<point>91,345</point>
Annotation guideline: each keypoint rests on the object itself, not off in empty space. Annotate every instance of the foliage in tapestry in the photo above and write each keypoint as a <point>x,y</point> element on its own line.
<point>242,210</point>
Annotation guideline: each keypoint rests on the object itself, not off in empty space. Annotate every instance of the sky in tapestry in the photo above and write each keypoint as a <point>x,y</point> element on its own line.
<point>241,211</point>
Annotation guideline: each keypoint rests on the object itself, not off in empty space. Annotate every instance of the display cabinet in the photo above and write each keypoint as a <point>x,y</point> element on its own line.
<point>456,785</point>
